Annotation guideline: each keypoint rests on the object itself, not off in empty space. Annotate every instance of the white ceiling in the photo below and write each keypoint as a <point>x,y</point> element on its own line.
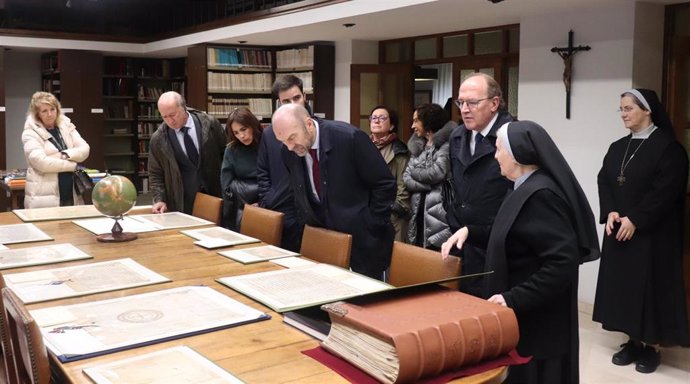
<point>374,20</point>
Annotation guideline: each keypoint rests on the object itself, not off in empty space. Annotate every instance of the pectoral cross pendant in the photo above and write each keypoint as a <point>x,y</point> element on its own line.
<point>620,179</point>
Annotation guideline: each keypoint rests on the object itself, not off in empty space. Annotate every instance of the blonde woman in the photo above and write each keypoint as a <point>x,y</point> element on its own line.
<point>53,148</point>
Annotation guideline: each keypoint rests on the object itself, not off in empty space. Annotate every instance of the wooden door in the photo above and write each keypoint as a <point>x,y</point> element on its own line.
<point>387,84</point>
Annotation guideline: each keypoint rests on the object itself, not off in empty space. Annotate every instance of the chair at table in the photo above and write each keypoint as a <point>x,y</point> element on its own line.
<point>413,265</point>
<point>263,224</point>
<point>30,355</point>
<point>7,355</point>
<point>326,246</point>
<point>208,207</point>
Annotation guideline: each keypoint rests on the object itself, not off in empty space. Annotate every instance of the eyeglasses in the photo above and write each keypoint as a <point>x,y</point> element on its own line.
<point>626,109</point>
<point>471,104</point>
<point>378,118</point>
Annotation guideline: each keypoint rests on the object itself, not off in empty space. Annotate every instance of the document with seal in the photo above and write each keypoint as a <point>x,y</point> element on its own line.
<point>84,330</point>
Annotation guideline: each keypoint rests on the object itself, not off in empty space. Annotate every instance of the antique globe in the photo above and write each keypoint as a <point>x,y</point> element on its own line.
<point>114,196</point>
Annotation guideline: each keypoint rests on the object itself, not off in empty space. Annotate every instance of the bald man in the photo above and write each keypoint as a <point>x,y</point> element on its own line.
<point>185,155</point>
<point>340,182</point>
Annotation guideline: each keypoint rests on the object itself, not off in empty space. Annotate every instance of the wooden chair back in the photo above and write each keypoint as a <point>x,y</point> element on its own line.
<point>208,207</point>
<point>263,224</point>
<point>30,354</point>
<point>326,246</point>
<point>7,354</point>
<point>413,265</point>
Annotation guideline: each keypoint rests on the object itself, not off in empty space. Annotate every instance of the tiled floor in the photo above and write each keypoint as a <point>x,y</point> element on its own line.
<point>597,346</point>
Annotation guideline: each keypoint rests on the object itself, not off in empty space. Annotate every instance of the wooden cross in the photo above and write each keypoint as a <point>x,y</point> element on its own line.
<point>567,53</point>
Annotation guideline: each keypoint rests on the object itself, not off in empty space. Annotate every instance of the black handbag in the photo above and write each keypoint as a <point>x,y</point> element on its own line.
<point>447,194</point>
<point>83,185</point>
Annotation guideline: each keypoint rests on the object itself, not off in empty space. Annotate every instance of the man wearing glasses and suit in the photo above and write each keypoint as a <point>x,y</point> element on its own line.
<point>477,182</point>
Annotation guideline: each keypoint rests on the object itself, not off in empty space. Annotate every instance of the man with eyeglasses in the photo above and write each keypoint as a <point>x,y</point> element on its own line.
<point>477,182</point>
<point>185,155</point>
<point>340,182</point>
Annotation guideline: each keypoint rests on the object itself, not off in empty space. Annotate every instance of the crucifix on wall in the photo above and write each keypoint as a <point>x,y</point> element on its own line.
<point>567,53</point>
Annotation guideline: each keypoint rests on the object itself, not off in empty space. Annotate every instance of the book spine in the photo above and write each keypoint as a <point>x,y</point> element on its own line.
<point>432,350</point>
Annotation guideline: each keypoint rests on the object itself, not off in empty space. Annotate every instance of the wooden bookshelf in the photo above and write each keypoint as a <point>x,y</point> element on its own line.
<point>222,78</point>
<point>131,88</point>
<point>75,78</point>
<point>315,65</point>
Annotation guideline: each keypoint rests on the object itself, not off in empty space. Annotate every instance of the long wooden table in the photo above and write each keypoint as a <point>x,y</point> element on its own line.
<point>262,352</point>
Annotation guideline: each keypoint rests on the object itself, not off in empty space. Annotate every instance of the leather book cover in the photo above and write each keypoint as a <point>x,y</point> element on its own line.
<point>431,330</point>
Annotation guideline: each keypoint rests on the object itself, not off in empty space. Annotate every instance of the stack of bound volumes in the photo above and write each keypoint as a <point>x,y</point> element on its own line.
<point>411,335</point>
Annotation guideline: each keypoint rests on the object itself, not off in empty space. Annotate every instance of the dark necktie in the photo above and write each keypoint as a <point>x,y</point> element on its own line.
<point>192,153</point>
<point>315,170</point>
<point>477,139</point>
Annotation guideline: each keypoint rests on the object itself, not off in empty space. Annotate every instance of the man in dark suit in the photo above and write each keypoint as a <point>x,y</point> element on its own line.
<point>185,155</point>
<point>477,182</point>
<point>340,182</point>
<point>272,175</point>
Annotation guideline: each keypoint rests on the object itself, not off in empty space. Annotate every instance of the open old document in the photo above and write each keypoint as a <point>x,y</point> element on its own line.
<point>175,365</point>
<point>95,328</point>
<point>79,280</point>
<point>21,233</point>
<point>294,288</point>
<point>257,254</point>
<point>217,237</point>
<point>171,220</point>
<point>103,225</point>
<point>57,213</point>
<point>46,254</point>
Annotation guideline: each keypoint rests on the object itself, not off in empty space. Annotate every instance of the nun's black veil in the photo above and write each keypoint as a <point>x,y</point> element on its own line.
<point>531,145</point>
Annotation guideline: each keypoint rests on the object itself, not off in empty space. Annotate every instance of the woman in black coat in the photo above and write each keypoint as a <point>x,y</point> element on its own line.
<point>542,232</point>
<point>642,191</point>
<point>238,172</point>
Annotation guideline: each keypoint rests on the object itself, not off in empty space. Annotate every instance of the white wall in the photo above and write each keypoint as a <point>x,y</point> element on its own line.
<point>599,77</point>
<point>349,52</point>
<point>22,79</point>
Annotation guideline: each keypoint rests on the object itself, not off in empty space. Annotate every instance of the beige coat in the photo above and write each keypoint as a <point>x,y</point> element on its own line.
<point>44,161</point>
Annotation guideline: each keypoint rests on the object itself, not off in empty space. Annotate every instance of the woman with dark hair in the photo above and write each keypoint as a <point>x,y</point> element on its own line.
<point>543,230</point>
<point>238,172</point>
<point>642,191</point>
<point>383,122</point>
<point>428,167</point>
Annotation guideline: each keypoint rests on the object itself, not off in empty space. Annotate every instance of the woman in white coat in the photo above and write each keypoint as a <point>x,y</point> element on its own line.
<point>53,148</point>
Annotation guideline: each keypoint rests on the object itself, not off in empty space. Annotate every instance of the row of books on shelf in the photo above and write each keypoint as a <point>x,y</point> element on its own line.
<point>119,110</point>
<point>295,58</point>
<point>149,111</point>
<point>51,85</point>
<point>144,92</point>
<point>146,129</point>
<point>235,57</point>
<point>143,146</point>
<point>221,107</point>
<point>239,82</point>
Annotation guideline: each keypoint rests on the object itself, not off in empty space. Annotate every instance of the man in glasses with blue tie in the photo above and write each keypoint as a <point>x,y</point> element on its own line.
<point>185,155</point>
<point>477,182</point>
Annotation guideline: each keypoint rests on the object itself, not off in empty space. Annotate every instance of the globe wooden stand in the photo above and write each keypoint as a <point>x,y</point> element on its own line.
<point>116,235</point>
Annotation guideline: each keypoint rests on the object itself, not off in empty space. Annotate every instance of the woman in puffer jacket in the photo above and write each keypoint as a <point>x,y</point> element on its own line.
<point>53,148</point>
<point>429,165</point>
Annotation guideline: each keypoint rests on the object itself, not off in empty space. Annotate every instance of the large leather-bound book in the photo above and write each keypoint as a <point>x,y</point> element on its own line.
<point>404,337</point>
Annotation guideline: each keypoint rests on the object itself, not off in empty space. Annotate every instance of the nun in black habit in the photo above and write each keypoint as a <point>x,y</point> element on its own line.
<point>544,229</point>
<point>642,192</point>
